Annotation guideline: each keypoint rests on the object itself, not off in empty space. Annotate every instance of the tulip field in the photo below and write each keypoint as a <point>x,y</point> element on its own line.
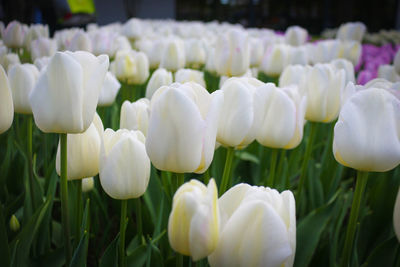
<point>176,143</point>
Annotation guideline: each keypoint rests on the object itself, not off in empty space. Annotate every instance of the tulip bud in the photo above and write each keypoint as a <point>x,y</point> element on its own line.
<point>87,184</point>
<point>14,34</point>
<point>195,53</point>
<point>189,75</point>
<point>293,75</point>
<point>193,225</point>
<point>124,164</point>
<point>232,53</point>
<point>120,43</point>
<point>275,60</point>
<point>10,60</point>
<point>351,31</point>
<point>388,72</point>
<point>14,223</point>
<point>256,51</point>
<point>132,28</point>
<point>183,127</point>
<point>159,78</point>
<point>296,35</point>
<point>324,51</point>
<point>370,114</point>
<point>237,126</point>
<point>135,115</point>
<point>347,66</point>
<point>109,91</point>
<point>323,87</point>
<point>131,67</point>
<point>351,50</point>
<point>279,116</point>
<point>83,152</point>
<point>65,97</point>
<point>22,81</point>
<point>396,216</point>
<point>40,63</point>
<point>173,55</point>
<point>258,228</point>
<point>80,41</point>
<point>6,105</point>
<point>43,47</point>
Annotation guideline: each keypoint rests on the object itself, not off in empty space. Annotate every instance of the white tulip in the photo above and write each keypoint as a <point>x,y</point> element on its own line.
<point>296,35</point>
<point>109,90</point>
<point>396,216</point>
<point>14,34</point>
<point>6,106</point>
<point>173,55</point>
<point>80,41</point>
<point>43,47</point>
<point>351,31</point>
<point>131,67</point>
<point>189,75</point>
<point>388,72</point>
<point>135,115</point>
<point>159,78</point>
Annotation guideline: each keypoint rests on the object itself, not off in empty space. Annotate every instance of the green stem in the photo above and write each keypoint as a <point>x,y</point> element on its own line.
<point>179,180</point>
<point>206,176</point>
<point>139,220</point>
<point>79,210</point>
<point>307,155</point>
<point>64,198</point>
<point>29,149</point>
<point>179,260</point>
<point>362,178</point>
<point>122,228</point>
<point>226,176</point>
<point>271,179</point>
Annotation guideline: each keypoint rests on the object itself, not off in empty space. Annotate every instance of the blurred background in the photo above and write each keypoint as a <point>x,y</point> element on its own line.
<point>314,15</point>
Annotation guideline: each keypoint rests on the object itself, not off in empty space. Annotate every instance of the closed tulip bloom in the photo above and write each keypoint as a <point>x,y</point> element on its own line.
<point>22,81</point>
<point>351,31</point>
<point>275,60</point>
<point>279,116</point>
<point>131,67</point>
<point>173,55</point>
<point>80,41</point>
<point>120,43</point>
<point>87,184</point>
<point>293,75</point>
<point>256,51</point>
<point>14,34</point>
<point>324,51</point>
<point>34,32</point>
<point>366,136</point>
<point>135,115</point>
<point>83,151</point>
<point>195,53</point>
<point>109,90</point>
<point>65,97</point>
<point>258,228</point>
<point>296,35</point>
<point>43,47</point>
<point>347,66</point>
<point>159,78</point>
<point>351,50</point>
<point>323,87</point>
<point>9,60</point>
<point>189,75</point>
<point>248,74</point>
<point>183,127</point>
<point>6,106</point>
<point>396,216</point>
<point>133,28</point>
<point>232,53</point>
<point>298,55</point>
<point>40,63</point>
<point>124,164</point>
<point>237,126</point>
<point>193,224</point>
<point>388,72</point>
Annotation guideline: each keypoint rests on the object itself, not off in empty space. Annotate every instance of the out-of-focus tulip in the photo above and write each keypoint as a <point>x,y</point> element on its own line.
<point>347,66</point>
<point>351,31</point>
<point>132,29</point>
<point>232,53</point>
<point>367,136</point>
<point>34,32</point>
<point>65,97</point>
<point>396,61</point>
<point>237,126</point>
<point>293,74</point>
<point>351,50</point>
<point>173,55</point>
<point>131,67</point>
<point>43,47</point>
<point>189,75</point>
<point>109,91</point>
<point>14,223</point>
<point>14,35</point>
<point>195,53</point>
<point>83,151</point>
<point>275,60</point>
<point>256,51</point>
<point>396,216</point>
<point>87,184</point>
<point>279,116</point>
<point>102,42</point>
<point>258,228</point>
<point>298,55</point>
<point>159,78</point>
<point>120,43</point>
<point>193,224</point>
<point>210,60</point>
<point>22,79</point>
<point>124,164</point>
<point>296,35</point>
<point>135,115</point>
<point>323,87</point>
<point>40,63</point>
<point>80,41</point>
<point>388,72</point>
<point>183,127</point>
<point>9,60</point>
<point>153,49</point>
<point>6,106</point>
<point>324,51</point>
<point>248,74</point>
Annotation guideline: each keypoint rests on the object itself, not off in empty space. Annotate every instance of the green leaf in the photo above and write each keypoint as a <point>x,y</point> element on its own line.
<point>384,254</point>
<point>4,249</point>
<point>110,256</point>
<point>80,254</point>
<point>137,257</point>
<point>246,156</point>
<point>25,237</point>
<point>309,231</point>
